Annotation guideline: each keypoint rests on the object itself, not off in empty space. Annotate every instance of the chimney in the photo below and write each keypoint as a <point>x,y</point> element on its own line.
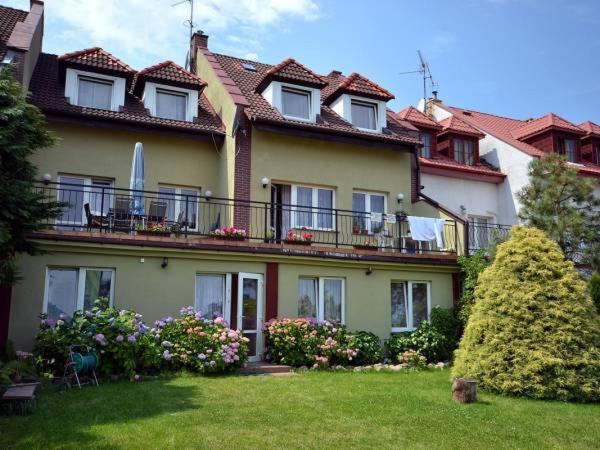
<point>434,93</point>
<point>200,40</point>
<point>335,74</point>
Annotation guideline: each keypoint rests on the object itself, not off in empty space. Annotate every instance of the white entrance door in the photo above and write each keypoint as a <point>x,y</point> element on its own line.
<point>250,312</point>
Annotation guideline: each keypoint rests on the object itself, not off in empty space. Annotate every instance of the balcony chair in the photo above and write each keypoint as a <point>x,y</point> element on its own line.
<point>120,216</point>
<point>157,212</point>
<point>95,221</point>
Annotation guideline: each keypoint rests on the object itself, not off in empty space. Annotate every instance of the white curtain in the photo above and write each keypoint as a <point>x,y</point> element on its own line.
<point>325,200</point>
<point>399,305</point>
<point>295,103</point>
<point>170,105</point>
<point>363,116</point>
<point>94,94</point>
<point>304,211</point>
<point>62,292</point>
<point>359,205</point>
<point>286,213</point>
<point>332,296</point>
<point>307,297</point>
<point>73,195</point>
<point>210,295</point>
<point>99,203</point>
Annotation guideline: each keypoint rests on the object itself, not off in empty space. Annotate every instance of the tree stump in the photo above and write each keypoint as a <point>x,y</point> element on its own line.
<point>464,390</point>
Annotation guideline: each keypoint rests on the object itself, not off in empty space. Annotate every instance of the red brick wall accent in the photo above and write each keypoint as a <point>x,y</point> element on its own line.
<point>271,291</point>
<point>456,287</point>
<point>443,145</point>
<point>414,179</point>
<point>545,142</point>
<point>5,294</point>
<point>242,171</point>
<point>234,300</point>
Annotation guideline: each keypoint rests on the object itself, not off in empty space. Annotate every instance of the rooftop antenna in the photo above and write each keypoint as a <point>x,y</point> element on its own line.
<point>425,73</point>
<point>189,23</point>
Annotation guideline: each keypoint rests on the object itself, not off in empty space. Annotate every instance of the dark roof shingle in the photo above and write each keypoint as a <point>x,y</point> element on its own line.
<point>96,58</point>
<point>294,72</point>
<point>8,19</point>
<point>416,117</point>
<point>171,73</point>
<point>541,124</point>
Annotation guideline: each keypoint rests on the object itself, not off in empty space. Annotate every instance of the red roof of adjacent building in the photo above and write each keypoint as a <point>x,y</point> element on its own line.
<point>48,93</point>
<point>258,109</point>
<point>96,58</point>
<point>294,72</point>
<point>356,84</point>
<point>547,122</point>
<point>453,124</point>
<point>590,128</point>
<point>445,166</point>
<point>416,117</point>
<point>8,19</point>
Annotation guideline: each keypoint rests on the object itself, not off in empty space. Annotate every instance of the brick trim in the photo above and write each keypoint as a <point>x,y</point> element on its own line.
<point>242,171</point>
<point>271,291</point>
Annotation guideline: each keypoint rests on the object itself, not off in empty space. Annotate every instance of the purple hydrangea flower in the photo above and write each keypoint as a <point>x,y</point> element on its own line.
<point>202,356</point>
<point>119,338</point>
<point>131,338</point>
<point>167,355</point>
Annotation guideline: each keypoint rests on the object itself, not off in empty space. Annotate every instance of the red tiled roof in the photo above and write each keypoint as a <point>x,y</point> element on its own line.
<point>259,110</point>
<point>497,126</point>
<point>590,128</point>
<point>453,124</point>
<point>446,163</point>
<point>47,90</point>
<point>96,58</point>
<point>587,168</point>
<point>294,72</point>
<point>356,84</point>
<point>172,73</point>
<point>416,117</point>
<point>8,19</point>
<point>549,121</point>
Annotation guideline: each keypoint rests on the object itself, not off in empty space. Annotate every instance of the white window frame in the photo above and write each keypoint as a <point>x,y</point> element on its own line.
<point>179,201</point>
<point>227,292</point>
<point>306,92</point>
<point>343,107</point>
<point>149,98</point>
<point>409,314</point>
<point>366,104</point>
<point>273,95</point>
<point>174,93</point>
<point>321,295</point>
<point>368,210</point>
<point>81,272</point>
<point>72,87</point>
<point>87,190</point>
<point>316,212</point>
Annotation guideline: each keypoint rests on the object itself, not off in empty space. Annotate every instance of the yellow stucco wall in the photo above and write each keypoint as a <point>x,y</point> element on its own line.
<point>156,292</point>
<point>99,152</point>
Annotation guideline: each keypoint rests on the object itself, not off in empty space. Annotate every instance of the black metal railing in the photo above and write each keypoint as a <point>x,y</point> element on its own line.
<point>103,208</point>
<point>485,236</point>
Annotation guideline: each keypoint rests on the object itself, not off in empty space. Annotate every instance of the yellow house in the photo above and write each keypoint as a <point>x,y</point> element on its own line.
<point>269,191</point>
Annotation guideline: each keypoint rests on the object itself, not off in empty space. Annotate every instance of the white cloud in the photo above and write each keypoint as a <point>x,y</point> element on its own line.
<point>148,31</point>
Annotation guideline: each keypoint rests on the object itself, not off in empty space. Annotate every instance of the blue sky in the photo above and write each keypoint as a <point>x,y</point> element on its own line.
<point>519,58</point>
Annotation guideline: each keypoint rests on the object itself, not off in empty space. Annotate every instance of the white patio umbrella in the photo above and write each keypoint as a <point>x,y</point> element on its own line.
<point>137,179</point>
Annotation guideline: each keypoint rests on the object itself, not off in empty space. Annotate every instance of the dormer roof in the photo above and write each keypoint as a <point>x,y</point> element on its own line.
<point>590,128</point>
<point>455,125</point>
<point>545,123</point>
<point>356,84</point>
<point>418,118</point>
<point>168,72</point>
<point>96,59</point>
<point>291,71</point>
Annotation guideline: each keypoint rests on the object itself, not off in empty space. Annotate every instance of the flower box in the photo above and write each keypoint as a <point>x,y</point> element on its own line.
<point>365,247</point>
<point>229,234</point>
<point>297,242</point>
<point>228,238</point>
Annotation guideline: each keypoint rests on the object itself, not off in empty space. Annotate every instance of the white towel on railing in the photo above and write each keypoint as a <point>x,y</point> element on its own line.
<point>427,229</point>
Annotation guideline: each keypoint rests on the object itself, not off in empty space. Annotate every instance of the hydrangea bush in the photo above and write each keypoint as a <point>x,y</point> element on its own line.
<point>200,344</point>
<point>306,342</point>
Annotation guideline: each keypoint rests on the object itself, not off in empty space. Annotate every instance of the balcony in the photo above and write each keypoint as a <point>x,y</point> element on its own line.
<point>105,212</point>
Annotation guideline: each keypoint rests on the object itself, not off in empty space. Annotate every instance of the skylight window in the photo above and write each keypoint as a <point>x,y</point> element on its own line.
<point>249,67</point>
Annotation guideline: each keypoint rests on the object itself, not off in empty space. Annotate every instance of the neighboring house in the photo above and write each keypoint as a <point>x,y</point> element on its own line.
<point>278,151</point>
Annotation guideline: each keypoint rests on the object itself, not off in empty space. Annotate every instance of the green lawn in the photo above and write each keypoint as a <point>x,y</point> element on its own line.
<point>314,410</point>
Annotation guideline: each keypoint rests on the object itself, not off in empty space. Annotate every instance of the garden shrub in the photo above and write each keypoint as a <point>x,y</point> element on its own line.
<point>368,346</point>
<point>305,342</point>
<point>445,321</point>
<point>426,340</point>
<point>594,286</point>
<point>412,360</point>
<point>533,330</point>
<point>199,344</point>
<point>470,268</point>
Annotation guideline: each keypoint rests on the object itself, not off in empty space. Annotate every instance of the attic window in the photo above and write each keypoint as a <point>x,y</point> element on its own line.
<point>95,93</point>
<point>249,67</point>
<point>364,115</point>
<point>171,105</point>
<point>295,103</point>
<point>9,57</point>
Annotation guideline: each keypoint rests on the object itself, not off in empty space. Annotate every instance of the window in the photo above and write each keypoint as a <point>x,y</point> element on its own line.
<point>181,206</point>
<point>212,294</point>
<point>94,93</point>
<point>411,304</point>
<point>426,141</point>
<point>571,150</point>
<point>479,232</point>
<point>322,299</point>
<point>171,105</point>
<point>364,115</point>
<point>76,191</point>
<point>373,206</point>
<point>312,207</point>
<point>295,103</point>
<point>463,151</point>
<point>598,155</point>
<point>72,289</point>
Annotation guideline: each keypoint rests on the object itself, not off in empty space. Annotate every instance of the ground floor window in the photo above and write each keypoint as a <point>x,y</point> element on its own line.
<point>321,298</point>
<point>411,304</point>
<point>72,289</point>
<point>212,294</point>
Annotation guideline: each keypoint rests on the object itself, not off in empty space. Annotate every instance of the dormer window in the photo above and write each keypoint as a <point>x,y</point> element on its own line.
<point>570,150</point>
<point>171,104</point>
<point>426,142</point>
<point>295,103</point>
<point>364,115</point>
<point>463,151</point>
<point>94,92</point>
